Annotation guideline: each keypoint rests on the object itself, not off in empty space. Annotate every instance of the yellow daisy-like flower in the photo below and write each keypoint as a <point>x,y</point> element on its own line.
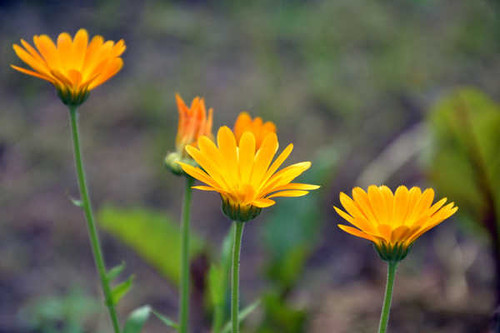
<point>245,176</point>
<point>193,122</point>
<point>393,222</point>
<point>257,126</point>
<point>73,66</point>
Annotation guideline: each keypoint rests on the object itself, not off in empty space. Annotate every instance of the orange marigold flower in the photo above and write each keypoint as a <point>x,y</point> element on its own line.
<point>257,126</point>
<point>193,123</point>
<point>245,176</point>
<point>393,222</point>
<point>73,66</point>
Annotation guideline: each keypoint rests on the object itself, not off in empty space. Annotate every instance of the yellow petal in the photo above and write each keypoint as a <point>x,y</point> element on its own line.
<point>208,164</point>
<point>206,188</point>
<point>227,147</point>
<point>400,234</point>
<point>79,49</point>
<point>65,51</point>
<point>199,174</point>
<point>378,205</point>
<point>362,201</point>
<point>284,176</point>
<point>358,221</point>
<point>264,157</point>
<point>37,65</point>
<point>356,232</point>
<point>349,205</point>
<point>263,203</point>
<point>48,50</point>
<point>401,200</point>
<point>278,162</point>
<point>38,75</point>
<point>288,194</point>
<point>246,154</point>
<point>297,186</point>
<point>114,67</point>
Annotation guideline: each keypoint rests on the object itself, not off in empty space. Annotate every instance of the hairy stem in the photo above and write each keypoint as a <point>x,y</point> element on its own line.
<point>235,277</point>
<point>185,280</point>
<point>386,309</point>
<point>87,208</point>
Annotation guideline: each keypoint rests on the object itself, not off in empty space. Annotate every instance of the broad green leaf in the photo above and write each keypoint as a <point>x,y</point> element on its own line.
<point>242,315</point>
<point>114,272</point>
<point>465,161</point>
<point>121,289</point>
<point>167,321</point>
<point>137,319</point>
<point>152,234</point>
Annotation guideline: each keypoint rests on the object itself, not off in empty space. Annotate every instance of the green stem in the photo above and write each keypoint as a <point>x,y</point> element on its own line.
<point>185,280</point>
<point>235,277</point>
<point>384,316</point>
<point>87,208</point>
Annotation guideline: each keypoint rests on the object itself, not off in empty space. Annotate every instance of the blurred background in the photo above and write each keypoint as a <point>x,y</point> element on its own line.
<point>372,92</point>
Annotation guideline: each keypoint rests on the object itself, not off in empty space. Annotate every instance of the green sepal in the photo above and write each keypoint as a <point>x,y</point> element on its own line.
<point>167,321</point>
<point>114,272</point>
<point>392,253</point>
<point>71,99</point>
<point>121,289</point>
<point>242,315</point>
<point>174,167</point>
<point>239,213</point>
<point>137,319</point>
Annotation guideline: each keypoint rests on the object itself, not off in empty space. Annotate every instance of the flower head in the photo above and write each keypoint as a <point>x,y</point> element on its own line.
<point>245,176</point>
<point>393,222</point>
<point>193,123</point>
<point>73,66</point>
<point>257,126</point>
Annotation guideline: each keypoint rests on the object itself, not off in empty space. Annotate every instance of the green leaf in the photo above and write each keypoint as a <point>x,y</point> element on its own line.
<point>137,319</point>
<point>114,272</point>
<point>167,321</point>
<point>242,315</point>
<point>152,234</point>
<point>121,289</point>
<point>465,161</point>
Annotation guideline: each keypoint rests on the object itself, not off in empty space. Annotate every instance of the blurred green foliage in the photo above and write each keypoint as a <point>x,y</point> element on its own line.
<point>152,234</point>
<point>465,162</point>
<point>290,235</point>
<point>62,314</point>
<point>219,283</point>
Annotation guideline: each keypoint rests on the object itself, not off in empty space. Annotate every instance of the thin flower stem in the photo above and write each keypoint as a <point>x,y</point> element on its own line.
<point>185,280</point>
<point>87,208</point>
<point>235,277</point>
<point>384,316</point>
